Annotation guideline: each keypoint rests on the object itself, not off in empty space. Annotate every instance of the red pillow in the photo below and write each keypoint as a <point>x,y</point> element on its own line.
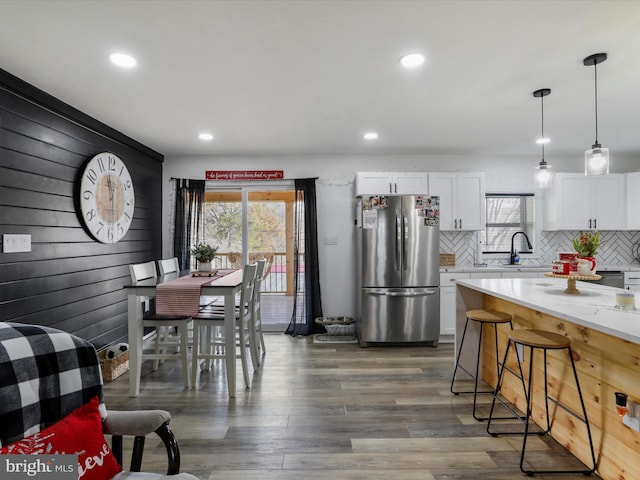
<point>79,432</point>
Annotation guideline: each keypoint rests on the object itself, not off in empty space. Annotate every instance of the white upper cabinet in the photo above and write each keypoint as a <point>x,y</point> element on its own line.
<point>392,183</point>
<point>462,202</point>
<point>578,202</point>
<point>633,200</point>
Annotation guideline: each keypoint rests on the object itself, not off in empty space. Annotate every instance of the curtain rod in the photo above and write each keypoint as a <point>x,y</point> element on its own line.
<point>246,181</point>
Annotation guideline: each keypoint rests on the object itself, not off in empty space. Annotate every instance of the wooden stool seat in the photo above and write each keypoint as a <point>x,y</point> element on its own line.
<point>488,316</point>
<point>540,339</point>
<point>483,317</point>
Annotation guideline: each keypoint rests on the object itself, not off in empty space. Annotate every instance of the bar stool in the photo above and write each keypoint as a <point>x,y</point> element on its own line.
<point>482,317</point>
<point>543,340</point>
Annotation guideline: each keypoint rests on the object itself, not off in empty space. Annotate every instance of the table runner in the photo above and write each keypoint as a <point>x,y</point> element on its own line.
<point>182,295</point>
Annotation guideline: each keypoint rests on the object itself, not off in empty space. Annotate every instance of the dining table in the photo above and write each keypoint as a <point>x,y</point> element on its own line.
<point>226,286</point>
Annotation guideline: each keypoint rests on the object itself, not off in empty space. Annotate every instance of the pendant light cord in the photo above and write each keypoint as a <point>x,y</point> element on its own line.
<point>595,74</point>
<point>542,137</point>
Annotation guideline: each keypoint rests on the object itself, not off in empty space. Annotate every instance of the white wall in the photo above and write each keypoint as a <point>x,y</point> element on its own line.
<point>335,190</point>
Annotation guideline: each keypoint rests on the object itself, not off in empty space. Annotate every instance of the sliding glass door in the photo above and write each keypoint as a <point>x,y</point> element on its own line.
<point>251,222</point>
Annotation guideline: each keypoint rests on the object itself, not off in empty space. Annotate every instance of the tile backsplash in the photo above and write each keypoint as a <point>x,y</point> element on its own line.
<point>617,247</point>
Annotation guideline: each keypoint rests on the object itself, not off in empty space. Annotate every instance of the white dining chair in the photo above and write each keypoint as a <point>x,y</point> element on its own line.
<point>168,265</point>
<point>258,348</point>
<point>162,324</point>
<point>255,339</point>
<point>208,343</point>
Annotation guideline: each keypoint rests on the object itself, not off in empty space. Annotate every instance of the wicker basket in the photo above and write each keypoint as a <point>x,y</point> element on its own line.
<point>112,368</point>
<point>447,259</point>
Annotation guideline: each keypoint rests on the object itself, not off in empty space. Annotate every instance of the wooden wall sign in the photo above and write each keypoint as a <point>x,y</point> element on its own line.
<point>244,174</point>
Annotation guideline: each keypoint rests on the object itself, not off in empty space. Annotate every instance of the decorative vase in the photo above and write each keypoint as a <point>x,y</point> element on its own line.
<point>204,266</point>
<point>586,266</point>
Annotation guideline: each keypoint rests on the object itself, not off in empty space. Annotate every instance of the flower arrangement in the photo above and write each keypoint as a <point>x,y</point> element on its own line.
<point>586,244</point>
<point>204,252</point>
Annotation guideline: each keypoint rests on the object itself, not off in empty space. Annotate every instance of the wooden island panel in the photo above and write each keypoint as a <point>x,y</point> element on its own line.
<point>605,364</point>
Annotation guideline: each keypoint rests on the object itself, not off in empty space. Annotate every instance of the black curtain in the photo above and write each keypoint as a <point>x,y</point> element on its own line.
<point>188,219</point>
<point>307,305</point>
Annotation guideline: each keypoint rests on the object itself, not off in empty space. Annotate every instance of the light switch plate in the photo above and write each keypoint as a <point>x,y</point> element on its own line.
<point>330,240</point>
<point>14,243</point>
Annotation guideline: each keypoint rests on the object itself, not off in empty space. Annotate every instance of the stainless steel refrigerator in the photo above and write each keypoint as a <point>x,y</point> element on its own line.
<point>397,265</point>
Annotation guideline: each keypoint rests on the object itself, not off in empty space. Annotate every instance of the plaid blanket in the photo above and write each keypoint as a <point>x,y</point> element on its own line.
<point>45,374</point>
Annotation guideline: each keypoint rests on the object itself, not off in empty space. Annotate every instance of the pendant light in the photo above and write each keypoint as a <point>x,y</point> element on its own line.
<point>596,160</point>
<point>543,176</point>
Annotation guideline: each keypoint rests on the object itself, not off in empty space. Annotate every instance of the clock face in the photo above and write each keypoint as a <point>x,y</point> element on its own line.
<point>106,197</point>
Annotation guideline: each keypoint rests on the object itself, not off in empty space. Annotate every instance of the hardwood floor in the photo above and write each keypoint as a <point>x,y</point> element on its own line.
<point>338,411</point>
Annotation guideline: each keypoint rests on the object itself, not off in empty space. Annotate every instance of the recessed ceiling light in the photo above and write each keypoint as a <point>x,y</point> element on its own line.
<point>412,60</point>
<point>370,136</point>
<point>205,136</point>
<point>123,60</point>
<point>543,140</point>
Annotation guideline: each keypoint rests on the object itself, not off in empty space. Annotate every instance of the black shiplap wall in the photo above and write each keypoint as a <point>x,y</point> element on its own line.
<point>69,280</point>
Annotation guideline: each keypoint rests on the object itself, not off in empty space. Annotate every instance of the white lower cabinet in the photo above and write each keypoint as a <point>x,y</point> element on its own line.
<point>631,281</point>
<point>448,304</point>
<point>448,296</point>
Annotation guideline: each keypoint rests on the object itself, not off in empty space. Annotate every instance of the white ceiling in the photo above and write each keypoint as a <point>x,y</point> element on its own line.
<point>310,77</point>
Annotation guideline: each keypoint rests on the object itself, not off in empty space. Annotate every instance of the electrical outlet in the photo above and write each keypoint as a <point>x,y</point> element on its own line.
<point>14,243</point>
<point>632,418</point>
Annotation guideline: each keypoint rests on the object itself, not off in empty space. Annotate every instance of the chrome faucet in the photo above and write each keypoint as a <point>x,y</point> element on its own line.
<point>513,254</point>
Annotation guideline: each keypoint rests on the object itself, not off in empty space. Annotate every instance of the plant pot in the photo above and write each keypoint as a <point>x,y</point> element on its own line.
<point>204,267</point>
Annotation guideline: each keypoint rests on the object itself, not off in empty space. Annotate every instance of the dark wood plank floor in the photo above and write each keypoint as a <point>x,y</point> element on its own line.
<point>321,410</point>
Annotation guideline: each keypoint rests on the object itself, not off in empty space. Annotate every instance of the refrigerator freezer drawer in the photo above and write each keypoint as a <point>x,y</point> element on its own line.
<point>397,315</point>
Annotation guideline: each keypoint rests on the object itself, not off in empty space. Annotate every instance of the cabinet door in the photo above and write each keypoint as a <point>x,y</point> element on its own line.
<point>374,183</point>
<point>574,202</point>
<point>471,201</point>
<point>413,183</point>
<point>443,185</point>
<point>608,202</point>
<point>447,310</point>
<point>633,200</point>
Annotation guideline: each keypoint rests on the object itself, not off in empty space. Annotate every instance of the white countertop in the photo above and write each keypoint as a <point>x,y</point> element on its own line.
<point>593,308</point>
<point>530,268</point>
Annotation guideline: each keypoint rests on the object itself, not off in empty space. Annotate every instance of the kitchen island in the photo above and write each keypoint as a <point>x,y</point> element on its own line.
<point>606,350</point>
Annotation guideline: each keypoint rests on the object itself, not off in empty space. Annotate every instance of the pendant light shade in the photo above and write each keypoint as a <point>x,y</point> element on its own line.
<point>543,175</point>
<point>596,160</point>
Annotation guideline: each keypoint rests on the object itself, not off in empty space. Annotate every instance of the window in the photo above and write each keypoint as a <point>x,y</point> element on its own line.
<point>507,214</point>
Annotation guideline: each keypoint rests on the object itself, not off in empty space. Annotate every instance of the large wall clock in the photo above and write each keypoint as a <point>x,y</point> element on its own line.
<point>106,197</point>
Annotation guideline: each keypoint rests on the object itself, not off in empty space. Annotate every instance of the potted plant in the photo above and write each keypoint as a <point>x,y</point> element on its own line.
<point>586,245</point>
<point>204,254</point>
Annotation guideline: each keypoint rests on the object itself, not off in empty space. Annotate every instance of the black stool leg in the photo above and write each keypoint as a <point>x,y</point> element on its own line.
<point>455,370</point>
<point>476,375</point>
<point>497,389</point>
<point>528,398</point>
<point>475,383</point>
<point>584,419</point>
<point>584,412</point>
<point>515,415</point>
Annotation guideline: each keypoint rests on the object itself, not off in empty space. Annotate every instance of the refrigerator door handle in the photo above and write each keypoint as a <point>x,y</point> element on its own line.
<point>405,237</point>
<point>398,242</point>
<point>403,294</point>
